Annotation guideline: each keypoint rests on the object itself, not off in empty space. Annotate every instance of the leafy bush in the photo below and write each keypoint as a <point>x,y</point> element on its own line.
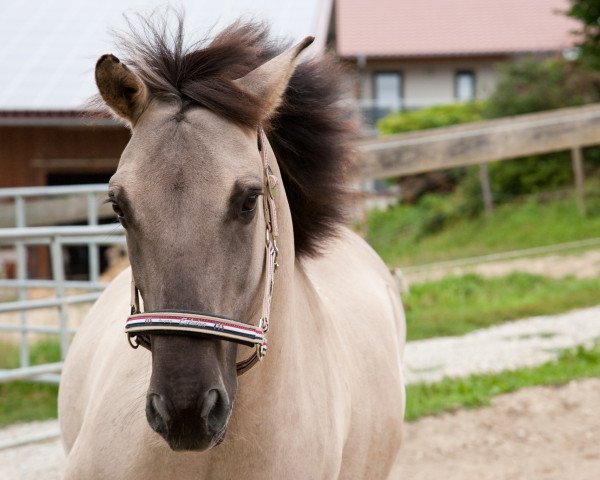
<point>528,86</point>
<point>432,117</point>
<point>530,175</point>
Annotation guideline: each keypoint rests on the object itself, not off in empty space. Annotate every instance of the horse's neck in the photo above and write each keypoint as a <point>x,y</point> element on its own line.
<point>295,303</point>
<point>294,310</point>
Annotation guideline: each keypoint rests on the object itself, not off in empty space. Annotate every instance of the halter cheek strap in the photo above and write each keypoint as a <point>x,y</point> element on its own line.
<point>139,325</point>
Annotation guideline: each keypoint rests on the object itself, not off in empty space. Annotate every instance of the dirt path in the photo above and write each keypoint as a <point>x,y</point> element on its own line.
<point>533,434</point>
<point>578,265</point>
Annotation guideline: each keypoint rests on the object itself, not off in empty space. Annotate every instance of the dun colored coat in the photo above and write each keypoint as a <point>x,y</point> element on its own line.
<point>327,401</point>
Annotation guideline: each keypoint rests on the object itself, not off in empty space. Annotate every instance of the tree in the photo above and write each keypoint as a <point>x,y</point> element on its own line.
<point>588,13</point>
<point>530,85</point>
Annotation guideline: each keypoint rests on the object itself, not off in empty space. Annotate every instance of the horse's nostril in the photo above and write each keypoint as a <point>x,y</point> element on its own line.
<point>208,404</point>
<point>157,413</point>
<point>214,409</point>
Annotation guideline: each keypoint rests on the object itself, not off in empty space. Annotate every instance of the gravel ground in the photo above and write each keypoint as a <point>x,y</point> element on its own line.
<point>33,461</point>
<point>517,344</point>
<point>523,343</point>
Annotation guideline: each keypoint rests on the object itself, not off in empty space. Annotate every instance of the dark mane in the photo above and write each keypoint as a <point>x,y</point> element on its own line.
<point>310,132</point>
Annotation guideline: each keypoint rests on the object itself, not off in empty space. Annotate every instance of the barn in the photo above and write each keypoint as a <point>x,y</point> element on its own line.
<point>48,134</point>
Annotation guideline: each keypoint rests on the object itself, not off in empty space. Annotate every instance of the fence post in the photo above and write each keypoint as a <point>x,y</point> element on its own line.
<point>486,189</point>
<point>20,222</point>
<point>93,256</point>
<point>58,272</point>
<point>578,173</point>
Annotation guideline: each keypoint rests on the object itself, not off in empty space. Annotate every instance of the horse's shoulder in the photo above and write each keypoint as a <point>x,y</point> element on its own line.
<point>354,285</point>
<point>347,259</point>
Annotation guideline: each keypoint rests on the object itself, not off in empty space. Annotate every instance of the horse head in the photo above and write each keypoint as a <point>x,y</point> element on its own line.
<point>188,191</point>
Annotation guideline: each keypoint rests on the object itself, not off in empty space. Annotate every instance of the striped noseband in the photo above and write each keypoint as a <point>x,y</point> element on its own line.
<point>140,324</point>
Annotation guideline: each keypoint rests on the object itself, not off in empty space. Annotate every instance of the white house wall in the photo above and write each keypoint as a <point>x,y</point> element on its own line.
<point>429,82</point>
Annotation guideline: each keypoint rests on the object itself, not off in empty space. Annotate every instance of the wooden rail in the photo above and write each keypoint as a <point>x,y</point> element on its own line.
<point>479,143</point>
<point>419,152</point>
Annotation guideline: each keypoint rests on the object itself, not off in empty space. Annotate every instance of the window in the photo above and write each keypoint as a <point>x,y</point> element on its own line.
<point>387,97</point>
<point>464,85</point>
<point>387,90</point>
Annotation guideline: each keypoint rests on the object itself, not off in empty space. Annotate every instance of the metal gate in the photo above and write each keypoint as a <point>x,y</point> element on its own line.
<point>14,242</point>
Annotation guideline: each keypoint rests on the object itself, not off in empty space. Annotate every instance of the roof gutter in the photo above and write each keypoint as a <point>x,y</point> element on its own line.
<point>72,118</point>
<point>435,55</point>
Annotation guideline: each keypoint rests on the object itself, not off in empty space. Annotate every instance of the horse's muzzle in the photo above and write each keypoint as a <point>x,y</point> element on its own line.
<point>197,426</point>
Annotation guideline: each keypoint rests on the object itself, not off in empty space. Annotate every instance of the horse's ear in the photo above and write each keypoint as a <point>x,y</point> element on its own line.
<point>122,90</point>
<point>269,81</point>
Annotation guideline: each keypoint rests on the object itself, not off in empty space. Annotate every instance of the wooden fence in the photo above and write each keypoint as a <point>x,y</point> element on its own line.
<point>483,142</point>
<point>424,151</point>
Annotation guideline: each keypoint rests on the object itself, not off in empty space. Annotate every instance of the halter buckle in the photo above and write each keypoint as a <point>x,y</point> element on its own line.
<point>263,324</point>
<point>271,181</point>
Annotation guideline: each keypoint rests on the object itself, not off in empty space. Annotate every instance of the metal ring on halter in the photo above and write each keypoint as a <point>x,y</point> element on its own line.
<point>134,344</point>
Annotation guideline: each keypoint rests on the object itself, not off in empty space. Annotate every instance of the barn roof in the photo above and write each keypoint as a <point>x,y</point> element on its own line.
<point>425,28</point>
<point>48,49</point>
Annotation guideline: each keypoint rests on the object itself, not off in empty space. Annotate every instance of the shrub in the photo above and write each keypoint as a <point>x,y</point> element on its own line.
<point>531,85</point>
<point>530,175</point>
<point>431,117</point>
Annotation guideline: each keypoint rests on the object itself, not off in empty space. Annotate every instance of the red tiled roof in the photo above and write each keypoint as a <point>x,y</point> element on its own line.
<point>406,28</point>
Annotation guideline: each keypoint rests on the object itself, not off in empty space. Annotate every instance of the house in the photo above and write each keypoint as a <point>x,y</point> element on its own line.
<point>405,54</point>
<point>409,54</point>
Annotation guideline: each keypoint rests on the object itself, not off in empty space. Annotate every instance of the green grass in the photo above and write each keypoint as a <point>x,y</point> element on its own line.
<point>457,305</point>
<point>27,401</point>
<point>397,233</point>
<point>403,235</point>
<point>478,390</point>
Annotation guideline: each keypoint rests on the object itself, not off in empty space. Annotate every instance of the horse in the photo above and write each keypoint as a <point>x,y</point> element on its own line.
<point>234,195</point>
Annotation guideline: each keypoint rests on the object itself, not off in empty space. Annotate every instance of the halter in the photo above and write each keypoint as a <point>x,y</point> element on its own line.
<point>139,324</point>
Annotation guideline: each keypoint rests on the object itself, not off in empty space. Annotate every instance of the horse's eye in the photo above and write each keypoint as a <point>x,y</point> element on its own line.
<point>250,203</point>
<point>118,211</point>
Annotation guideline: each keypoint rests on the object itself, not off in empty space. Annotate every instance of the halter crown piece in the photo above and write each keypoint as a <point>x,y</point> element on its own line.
<point>139,324</point>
